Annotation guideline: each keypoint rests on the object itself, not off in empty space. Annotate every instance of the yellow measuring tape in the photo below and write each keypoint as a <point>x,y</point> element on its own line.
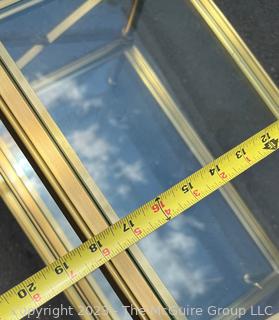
<point>64,272</point>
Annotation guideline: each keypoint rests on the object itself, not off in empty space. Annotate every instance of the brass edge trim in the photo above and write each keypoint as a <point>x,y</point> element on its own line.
<point>155,281</point>
<point>18,8</point>
<point>137,254</point>
<point>80,224</point>
<point>200,151</point>
<point>239,52</point>
<point>41,163</point>
<point>270,284</point>
<point>80,65</point>
<point>6,3</point>
<point>253,237</point>
<point>274,317</point>
<point>133,11</point>
<point>89,286</point>
<point>71,19</point>
<point>68,22</point>
<point>57,31</point>
<point>47,237</point>
<point>203,155</point>
<point>11,202</point>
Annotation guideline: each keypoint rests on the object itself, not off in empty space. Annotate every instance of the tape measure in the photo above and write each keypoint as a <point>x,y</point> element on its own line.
<point>66,271</point>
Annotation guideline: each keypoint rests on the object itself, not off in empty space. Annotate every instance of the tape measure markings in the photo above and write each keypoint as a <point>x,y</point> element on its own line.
<point>75,265</point>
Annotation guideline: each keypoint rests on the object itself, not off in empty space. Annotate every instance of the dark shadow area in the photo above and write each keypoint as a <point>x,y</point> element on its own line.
<point>257,23</point>
<point>19,260</point>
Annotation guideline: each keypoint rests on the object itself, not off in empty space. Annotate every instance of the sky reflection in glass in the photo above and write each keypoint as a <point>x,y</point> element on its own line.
<point>36,187</point>
<point>133,152</point>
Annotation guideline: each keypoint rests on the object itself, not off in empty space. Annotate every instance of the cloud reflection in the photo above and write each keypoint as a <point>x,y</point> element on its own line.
<point>74,96</point>
<point>180,269</point>
<point>134,152</point>
<point>173,254</point>
<point>99,156</point>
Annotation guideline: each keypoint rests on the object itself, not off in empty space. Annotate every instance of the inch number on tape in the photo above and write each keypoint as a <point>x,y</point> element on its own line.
<point>66,271</point>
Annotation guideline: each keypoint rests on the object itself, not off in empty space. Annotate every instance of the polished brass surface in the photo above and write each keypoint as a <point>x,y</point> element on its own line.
<point>68,22</point>
<point>131,17</point>
<point>44,232</point>
<point>239,52</point>
<point>6,3</point>
<point>64,185</point>
<point>35,129</point>
<point>18,8</point>
<point>58,30</point>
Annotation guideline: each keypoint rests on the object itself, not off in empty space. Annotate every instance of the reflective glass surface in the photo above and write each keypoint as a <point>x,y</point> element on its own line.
<point>49,38</point>
<point>114,105</point>
<point>133,153</point>
<point>36,187</point>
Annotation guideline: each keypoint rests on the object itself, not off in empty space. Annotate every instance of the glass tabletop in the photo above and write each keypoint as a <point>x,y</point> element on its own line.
<point>143,109</point>
<point>70,239</point>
